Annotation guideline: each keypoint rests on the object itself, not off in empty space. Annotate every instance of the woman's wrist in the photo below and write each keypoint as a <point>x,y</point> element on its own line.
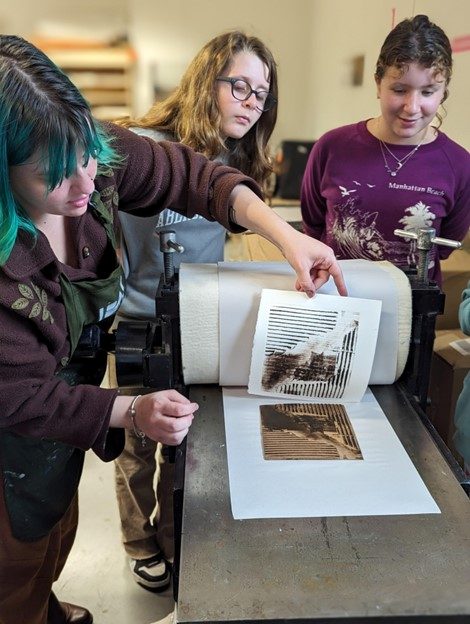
<point>132,415</point>
<point>120,413</point>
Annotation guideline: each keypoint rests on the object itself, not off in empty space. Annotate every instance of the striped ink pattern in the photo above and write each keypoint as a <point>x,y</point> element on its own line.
<point>309,353</point>
<point>307,431</point>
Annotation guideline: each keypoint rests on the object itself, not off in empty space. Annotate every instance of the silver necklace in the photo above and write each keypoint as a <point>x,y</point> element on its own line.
<point>400,161</point>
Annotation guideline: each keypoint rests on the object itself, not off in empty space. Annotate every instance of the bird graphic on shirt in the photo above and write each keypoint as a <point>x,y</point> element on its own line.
<point>345,191</point>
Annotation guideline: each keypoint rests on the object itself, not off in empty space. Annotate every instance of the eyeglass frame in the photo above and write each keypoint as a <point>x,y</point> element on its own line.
<point>269,97</point>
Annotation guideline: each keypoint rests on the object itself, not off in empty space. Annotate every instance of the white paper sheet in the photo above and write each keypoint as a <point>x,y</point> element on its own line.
<point>333,338</point>
<point>385,482</point>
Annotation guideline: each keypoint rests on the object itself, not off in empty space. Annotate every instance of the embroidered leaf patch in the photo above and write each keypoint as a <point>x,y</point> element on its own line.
<point>20,304</point>
<point>105,193</point>
<point>39,307</point>
<point>35,310</point>
<point>25,291</point>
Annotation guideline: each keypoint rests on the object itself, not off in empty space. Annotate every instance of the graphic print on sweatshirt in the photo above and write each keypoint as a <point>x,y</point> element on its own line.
<point>356,232</point>
<point>169,217</point>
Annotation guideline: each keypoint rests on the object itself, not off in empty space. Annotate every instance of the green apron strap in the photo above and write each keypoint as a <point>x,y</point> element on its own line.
<point>90,301</point>
<point>104,214</point>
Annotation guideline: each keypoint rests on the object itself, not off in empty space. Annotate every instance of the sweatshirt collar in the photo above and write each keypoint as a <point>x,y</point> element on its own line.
<point>28,256</point>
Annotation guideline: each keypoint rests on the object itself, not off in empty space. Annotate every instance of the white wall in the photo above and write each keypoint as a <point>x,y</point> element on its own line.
<point>314,42</point>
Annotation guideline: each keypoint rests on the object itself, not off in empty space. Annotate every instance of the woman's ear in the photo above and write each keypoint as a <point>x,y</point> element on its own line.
<point>377,86</point>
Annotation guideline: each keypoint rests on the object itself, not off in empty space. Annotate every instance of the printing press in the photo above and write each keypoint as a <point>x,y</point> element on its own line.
<point>356,569</point>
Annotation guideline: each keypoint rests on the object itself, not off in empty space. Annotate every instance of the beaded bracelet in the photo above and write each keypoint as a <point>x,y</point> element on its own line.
<point>132,413</point>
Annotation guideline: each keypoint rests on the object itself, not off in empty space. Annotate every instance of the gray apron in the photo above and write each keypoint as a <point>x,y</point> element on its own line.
<point>40,476</point>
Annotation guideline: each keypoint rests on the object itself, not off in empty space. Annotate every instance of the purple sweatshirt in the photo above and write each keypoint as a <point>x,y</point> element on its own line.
<point>352,203</point>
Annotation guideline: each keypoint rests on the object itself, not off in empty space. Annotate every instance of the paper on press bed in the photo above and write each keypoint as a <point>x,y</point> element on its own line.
<point>341,333</point>
<point>385,482</point>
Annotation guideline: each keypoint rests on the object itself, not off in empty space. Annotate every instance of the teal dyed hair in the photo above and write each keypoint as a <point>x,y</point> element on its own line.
<point>41,112</point>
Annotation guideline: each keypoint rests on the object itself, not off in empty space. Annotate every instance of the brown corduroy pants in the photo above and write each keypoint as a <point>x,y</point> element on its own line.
<point>28,569</point>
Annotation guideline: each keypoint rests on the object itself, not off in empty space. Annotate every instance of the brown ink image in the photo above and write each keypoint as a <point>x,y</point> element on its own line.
<point>307,431</point>
<point>309,353</point>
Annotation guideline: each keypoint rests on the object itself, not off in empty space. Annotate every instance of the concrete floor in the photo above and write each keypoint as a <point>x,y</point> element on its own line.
<point>97,574</point>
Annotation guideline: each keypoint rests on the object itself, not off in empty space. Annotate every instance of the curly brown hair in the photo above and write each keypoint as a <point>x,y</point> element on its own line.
<point>191,113</point>
<point>416,40</point>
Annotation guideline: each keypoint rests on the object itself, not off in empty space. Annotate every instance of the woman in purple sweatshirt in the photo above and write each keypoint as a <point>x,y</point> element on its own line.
<point>397,170</point>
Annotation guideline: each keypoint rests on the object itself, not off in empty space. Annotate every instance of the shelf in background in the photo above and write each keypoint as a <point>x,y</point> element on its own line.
<point>103,74</point>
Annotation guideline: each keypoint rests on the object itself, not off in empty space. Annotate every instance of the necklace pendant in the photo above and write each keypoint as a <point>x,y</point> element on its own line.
<point>400,162</point>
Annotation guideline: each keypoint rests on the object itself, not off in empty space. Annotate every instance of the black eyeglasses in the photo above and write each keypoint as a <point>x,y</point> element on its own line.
<point>241,90</point>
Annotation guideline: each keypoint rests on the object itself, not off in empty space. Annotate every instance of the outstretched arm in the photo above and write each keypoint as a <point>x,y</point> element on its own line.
<point>158,175</point>
<point>312,260</point>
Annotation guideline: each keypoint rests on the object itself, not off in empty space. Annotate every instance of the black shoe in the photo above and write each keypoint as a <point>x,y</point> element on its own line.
<point>153,573</point>
<point>66,613</point>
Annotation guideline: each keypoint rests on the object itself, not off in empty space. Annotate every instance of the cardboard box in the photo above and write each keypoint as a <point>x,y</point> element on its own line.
<point>450,363</point>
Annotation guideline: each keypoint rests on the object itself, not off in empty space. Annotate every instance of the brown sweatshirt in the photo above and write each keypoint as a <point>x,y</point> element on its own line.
<point>33,347</point>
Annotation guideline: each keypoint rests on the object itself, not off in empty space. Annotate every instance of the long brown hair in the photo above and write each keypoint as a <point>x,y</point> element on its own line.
<point>191,113</point>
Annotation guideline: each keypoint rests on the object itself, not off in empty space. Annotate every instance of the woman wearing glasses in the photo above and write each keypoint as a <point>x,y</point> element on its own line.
<point>226,108</point>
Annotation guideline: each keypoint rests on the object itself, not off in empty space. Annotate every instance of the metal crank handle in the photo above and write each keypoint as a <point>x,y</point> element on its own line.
<point>176,246</point>
<point>435,240</point>
<point>167,241</point>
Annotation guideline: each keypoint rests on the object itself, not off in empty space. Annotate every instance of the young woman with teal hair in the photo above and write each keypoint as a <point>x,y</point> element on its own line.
<point>63,178</point>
